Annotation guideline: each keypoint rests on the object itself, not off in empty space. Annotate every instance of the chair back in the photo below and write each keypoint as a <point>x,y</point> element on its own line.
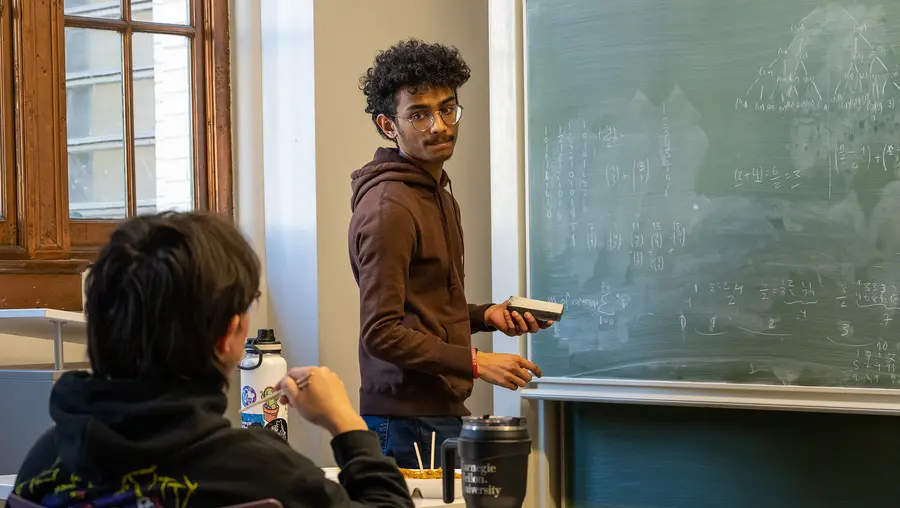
<point>14,501</point>
<point>262,503</point>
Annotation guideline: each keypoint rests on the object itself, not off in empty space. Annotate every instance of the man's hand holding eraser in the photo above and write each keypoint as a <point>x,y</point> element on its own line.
<point>518,315</point>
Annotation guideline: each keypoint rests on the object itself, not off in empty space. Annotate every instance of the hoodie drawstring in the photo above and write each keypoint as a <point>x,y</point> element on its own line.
<point>462,241</point>
<point>440,201</point>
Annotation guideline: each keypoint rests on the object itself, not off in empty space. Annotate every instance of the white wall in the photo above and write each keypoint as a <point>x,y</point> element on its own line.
<point>301,129</point>
<point>507,93</point>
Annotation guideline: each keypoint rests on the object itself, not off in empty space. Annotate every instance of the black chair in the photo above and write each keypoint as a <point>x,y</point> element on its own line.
<point>15,501</point>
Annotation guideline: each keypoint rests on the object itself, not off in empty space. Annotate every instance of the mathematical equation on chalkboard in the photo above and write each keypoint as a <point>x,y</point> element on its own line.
<point>584,167</point>
<point>578,161</point>
<point>769,309</point>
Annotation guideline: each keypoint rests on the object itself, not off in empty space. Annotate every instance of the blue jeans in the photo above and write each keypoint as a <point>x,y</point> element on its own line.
<point>397,436</point>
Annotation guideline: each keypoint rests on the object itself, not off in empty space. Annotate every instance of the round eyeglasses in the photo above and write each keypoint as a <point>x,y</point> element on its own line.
<point>424,120</point>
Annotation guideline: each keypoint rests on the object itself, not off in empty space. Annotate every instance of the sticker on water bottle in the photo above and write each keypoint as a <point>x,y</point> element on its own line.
<point>252,420</point>
<point>279,426</point>
<point>270,414</point>
<point>271,406</point>
<point>248,396</point>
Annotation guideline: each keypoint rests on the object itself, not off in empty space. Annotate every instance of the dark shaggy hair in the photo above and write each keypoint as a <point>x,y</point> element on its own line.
<point>410,64</point>
<point>163,291</point>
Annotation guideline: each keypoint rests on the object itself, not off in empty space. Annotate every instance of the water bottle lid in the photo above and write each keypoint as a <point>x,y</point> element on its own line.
<point>494,423</point>
<point>264,341</point>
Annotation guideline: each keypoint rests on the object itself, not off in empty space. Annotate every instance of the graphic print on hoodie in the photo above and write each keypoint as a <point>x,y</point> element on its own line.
<point>152,444</point>
<point>407,254</point>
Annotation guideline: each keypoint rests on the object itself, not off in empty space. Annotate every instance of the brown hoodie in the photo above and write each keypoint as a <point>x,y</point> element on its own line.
<point>406,250</point>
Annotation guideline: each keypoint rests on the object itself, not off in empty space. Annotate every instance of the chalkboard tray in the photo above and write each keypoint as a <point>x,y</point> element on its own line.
<point>724,395</point>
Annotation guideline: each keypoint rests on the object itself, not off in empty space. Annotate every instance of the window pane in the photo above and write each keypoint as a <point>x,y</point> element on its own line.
<point>164,174</point>
<point>145,176</point>
<point>94,8</point>
<point>161,11</point>
<point>95,124</point>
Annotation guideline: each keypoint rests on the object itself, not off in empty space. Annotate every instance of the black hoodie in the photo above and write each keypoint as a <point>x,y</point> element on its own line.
<point>139,443</point>
<point>407,254</point>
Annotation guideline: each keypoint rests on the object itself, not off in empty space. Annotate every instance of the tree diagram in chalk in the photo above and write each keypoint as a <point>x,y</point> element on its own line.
<point>837,83</point>
<point>835,62</point>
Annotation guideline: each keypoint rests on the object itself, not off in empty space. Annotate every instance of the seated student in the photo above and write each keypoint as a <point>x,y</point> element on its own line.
<point>167,318</point>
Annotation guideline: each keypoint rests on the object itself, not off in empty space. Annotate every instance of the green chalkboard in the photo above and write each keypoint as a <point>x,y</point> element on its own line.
<point>713,189</point>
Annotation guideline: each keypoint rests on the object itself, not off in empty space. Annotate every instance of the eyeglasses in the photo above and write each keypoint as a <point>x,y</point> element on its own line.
<point>423,120</point>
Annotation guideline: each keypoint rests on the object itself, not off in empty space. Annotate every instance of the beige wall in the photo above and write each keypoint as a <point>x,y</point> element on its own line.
<point>19,350</point>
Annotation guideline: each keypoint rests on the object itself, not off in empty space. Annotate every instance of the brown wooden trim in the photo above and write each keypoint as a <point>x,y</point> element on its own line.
<point>218,86</point>
<point>199,120</point>
<point>128,92</point>
<point>61,135</point>
<point>7,136</point>
<point>18,98</point>
<point>86,253</point>
<point>121,25</point>
<point>12,252</point>
<point>163,28</point>
<point>52,290</point>
<point>45,266</point>
<point>91,234</point>
<point>96,23</point>
<point>42,193</point>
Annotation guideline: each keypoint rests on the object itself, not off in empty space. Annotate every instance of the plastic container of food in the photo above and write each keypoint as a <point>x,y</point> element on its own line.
<point>427,482</point>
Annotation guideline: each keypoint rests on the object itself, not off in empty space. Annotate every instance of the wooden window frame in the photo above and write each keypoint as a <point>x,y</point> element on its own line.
<point>7,140</point>
<point>38,240</point>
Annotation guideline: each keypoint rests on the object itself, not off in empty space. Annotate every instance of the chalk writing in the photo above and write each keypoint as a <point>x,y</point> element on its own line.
<point>665,152</point>
<point>774,251</point>
<point>865,83</point>
<point>874,366</point>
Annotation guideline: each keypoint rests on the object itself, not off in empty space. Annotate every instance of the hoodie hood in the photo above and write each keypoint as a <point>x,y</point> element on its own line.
<point>389,165</point>
<point>109,427</point>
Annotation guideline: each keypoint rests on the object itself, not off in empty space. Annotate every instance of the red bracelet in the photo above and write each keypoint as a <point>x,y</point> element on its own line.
<point>474,363</point>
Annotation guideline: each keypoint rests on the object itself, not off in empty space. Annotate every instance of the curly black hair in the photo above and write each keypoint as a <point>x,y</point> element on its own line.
<point>410,64</point>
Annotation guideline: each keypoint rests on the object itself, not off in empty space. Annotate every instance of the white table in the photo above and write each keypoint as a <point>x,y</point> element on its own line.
<point>459,503</point>
<point>7,482</point>
<point>332,473</point>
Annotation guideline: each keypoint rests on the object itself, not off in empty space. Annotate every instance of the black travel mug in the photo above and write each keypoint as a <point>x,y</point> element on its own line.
<point>493,452</point>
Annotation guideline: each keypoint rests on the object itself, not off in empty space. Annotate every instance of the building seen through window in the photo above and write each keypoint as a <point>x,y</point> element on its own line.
<point>129,109</point>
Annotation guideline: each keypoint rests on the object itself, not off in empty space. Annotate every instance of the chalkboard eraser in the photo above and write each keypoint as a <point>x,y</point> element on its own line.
<point>542,311</point>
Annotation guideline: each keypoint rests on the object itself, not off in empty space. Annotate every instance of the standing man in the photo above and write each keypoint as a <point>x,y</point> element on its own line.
<point>416,357</point>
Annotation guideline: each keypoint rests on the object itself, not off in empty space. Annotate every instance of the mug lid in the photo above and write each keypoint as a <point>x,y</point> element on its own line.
<point>491,422</point>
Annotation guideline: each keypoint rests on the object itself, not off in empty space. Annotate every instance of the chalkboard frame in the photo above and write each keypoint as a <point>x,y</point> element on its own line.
<point>652,392</point>
<point>725,395</point>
